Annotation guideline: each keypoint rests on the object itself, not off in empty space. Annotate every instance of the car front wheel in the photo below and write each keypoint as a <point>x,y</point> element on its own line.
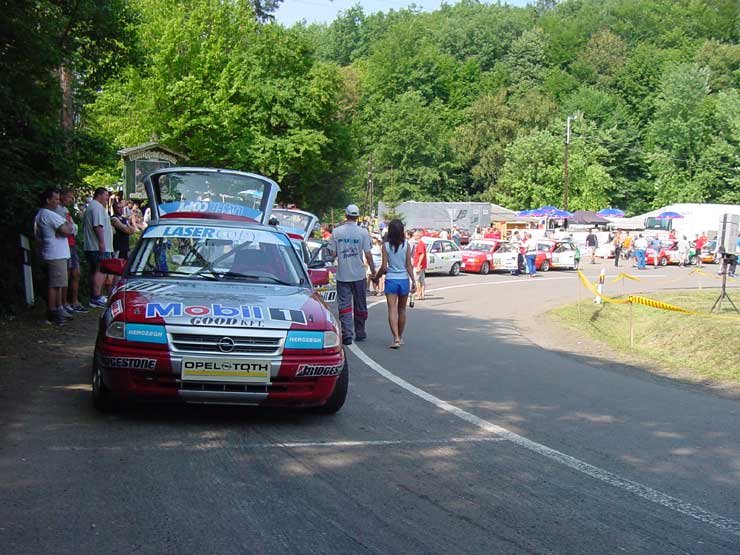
<point>545,265</point>
<point>663,261</point>
<point>455,270</point>
<point>485,268</point>
<point>102,398</point>
<point>339,395</point>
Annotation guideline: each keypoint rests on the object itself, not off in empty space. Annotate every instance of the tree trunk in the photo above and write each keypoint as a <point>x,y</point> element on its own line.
<point>65,82</point>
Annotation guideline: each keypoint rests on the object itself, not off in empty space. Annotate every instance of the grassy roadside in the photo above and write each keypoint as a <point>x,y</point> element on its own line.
<point>709,347</point>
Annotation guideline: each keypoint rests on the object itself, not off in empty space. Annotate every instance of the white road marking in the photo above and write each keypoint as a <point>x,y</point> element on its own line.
<point>636,488</point>
<point>217,444</point>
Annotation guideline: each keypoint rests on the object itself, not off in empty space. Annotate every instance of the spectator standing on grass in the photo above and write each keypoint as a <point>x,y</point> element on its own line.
<point>123,229</point>
<point>70,294</point>
<point>592,242</point>
<point>98,235</point>
<point>52,231</point>
<point>349,243</point>
<point>399,279</point>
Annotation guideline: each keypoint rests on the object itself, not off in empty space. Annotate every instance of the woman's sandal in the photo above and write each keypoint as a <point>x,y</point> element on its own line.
<point>395,345</point>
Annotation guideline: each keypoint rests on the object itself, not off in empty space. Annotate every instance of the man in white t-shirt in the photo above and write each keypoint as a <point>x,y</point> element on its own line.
<point>52,230</point>
<point>349,243</point>
<point>98,235</point>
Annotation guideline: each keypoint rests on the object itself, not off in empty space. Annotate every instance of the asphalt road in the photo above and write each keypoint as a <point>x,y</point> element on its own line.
<point>469,439</point>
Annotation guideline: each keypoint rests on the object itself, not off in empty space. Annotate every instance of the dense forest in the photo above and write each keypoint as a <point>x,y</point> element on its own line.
<point>467,102</point>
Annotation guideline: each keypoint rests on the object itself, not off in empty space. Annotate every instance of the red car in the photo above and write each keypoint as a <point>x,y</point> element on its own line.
<point>478,255</point>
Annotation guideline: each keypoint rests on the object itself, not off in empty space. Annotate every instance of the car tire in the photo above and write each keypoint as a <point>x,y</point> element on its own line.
<point>455,270</point>
<point>485,268</point>
<point>545,266</point>
<point>693,260</point>
<point>663,261</point>
<point>339,395</point>
<point>102,397</point>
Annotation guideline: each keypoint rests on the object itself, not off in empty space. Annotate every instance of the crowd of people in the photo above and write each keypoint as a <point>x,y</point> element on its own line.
<point>107,226</point>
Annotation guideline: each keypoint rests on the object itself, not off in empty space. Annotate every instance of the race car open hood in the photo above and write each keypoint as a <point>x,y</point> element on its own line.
<point>208,303</point>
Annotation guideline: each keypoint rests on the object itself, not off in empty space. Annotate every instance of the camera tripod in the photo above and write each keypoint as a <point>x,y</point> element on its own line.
<point>726,261</point>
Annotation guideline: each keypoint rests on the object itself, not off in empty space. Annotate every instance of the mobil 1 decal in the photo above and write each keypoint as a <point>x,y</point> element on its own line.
<point>218,314</point>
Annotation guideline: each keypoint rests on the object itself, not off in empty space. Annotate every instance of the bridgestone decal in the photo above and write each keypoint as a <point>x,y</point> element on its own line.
<point>310,370</point>
<point>132,363</point>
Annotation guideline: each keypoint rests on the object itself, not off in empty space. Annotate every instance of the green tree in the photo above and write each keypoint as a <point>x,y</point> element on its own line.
<point>409,150</point>
<point>232,93</point>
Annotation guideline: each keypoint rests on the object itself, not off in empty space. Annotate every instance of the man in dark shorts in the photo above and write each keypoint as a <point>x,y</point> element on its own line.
<point>98,234</point>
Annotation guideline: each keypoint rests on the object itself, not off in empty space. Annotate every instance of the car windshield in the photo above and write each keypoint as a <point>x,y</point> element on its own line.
<point>544,247</point>
<point>223,193</point>
<point>294,220</point>
<point>479,246</point>
<point>218,253</point>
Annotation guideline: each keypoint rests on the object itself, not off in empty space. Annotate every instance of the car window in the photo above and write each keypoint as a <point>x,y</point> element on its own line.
<point>206,252</point>
<point>449,247</point>
<point>436,247</point>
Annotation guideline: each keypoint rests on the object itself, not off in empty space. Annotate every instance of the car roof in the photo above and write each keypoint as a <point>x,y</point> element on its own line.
<point>432,239</point>
<point>206,222</point>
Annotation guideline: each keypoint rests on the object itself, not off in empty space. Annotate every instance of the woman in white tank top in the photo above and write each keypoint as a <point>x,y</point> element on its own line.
<point>399,279</point>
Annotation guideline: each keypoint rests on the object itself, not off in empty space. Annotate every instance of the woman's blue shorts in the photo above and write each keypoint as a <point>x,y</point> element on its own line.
<point>398,287</point>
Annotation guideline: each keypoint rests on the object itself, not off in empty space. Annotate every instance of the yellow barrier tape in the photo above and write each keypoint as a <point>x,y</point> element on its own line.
<point>636,299</point>
<point>624,275</point>
<point>702,272</point>
<point>658,304</point>
<point>593,290</point>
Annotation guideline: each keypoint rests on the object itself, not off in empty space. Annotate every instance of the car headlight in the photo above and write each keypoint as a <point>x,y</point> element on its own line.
<point>116,330</point>
<point>331,340</point>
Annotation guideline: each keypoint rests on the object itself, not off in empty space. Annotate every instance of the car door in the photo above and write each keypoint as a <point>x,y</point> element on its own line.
<point>435,252</point>
<point>451,253</point>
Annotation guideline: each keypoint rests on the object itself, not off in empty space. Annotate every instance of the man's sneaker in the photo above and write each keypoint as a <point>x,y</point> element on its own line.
<point>360,337</point>
<point>79,309</point>
<point>347,341</point>
<point>98,302</point>
<point>55,319</point>
<point>66,312</point>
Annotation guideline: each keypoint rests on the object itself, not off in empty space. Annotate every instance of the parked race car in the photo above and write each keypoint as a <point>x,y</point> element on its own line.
<point>442,256</point>
<point>506,258</point>
<point>321,260</point>
<point>668,254</point>
<point>709,254</point>
<point>477,256</point>
<point>299,226</point>
<point>563,255</point>
<point>213,306</point>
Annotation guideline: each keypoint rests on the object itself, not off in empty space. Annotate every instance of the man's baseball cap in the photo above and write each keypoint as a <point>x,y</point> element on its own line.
<point>352,210</point>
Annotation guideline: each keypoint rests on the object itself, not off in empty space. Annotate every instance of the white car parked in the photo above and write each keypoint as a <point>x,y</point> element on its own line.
<point>442,256</point>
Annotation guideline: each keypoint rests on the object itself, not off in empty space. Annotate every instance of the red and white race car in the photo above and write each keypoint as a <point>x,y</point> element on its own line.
<point>668,254</point>
<point>214,306</point>
<point>477,256</point>
<point>506,258</point>
<point>562,254</point>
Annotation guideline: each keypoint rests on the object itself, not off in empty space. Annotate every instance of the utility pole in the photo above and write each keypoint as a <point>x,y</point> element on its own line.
<point>369,189</point>
<point>566,177</point>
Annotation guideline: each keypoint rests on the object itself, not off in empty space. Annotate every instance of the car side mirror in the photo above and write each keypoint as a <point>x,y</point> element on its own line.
<point>113,266</point>
<point>319,276</point>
